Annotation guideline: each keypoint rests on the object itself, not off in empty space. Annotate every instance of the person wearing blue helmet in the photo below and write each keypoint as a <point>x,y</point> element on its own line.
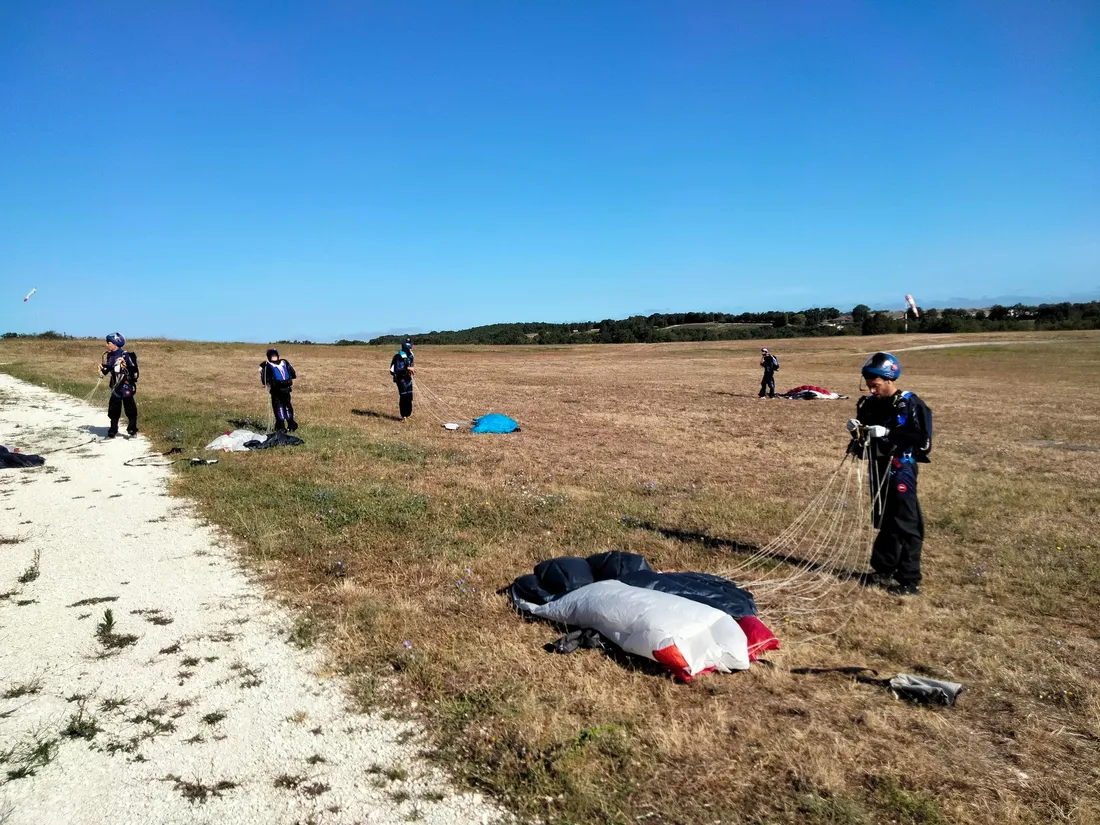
<point>894,429</point>
<point>402,369</point>
<point>122,367</point>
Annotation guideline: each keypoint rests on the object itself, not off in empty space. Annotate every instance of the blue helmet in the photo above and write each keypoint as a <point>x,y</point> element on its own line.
<point>882,365</point>
<point>116,339</point>
<point>407,345</point>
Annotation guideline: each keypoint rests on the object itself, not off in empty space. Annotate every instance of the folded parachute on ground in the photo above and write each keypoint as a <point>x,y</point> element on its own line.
<point>242,441</point>
<point>10,459</point>
<point>689,622</point>
<point>233,442</point>
<point>808,392</point>
<point>494,423</point>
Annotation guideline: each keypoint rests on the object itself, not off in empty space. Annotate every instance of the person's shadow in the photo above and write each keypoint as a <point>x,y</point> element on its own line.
<point>98,432</point>
<point>375,414</point>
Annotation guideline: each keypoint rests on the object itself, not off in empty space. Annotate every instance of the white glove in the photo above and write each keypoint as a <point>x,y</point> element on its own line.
<point>877,431</point>
<point>853,425</point>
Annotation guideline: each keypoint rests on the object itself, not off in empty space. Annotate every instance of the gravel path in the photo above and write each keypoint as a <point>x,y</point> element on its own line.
<point>193,708</point>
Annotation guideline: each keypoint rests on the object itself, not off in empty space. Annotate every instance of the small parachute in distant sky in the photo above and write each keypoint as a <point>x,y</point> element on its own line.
<point>912,305</point>
<point>29,294</point>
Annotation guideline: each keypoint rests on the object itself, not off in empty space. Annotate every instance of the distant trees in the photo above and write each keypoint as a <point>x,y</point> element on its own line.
<point>721,326</point>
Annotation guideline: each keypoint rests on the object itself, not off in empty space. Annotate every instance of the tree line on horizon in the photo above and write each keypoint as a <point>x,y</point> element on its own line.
<point>664,327</point>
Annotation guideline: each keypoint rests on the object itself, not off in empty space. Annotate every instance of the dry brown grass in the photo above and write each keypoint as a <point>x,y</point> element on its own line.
<point>673,435</point>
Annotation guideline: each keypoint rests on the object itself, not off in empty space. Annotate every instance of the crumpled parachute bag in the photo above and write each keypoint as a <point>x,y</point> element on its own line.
<point>687,637</point>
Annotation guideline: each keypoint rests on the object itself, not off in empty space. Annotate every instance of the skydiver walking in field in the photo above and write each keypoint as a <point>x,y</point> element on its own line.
<point>122,366</point>
<point>896,427</point>
<point>403,370</point>
<point>278,376</point>
<point>770,364</point>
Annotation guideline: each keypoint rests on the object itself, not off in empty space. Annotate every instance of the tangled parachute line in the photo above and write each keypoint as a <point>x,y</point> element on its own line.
<point>809,569</point>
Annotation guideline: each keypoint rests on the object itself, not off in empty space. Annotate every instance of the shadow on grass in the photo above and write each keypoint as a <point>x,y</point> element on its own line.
<point>375,414</point>
<point>716,543</point>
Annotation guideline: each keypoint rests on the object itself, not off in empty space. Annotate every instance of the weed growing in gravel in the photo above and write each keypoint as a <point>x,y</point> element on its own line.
<point>433,796</point>
<point>94,600</point>
<point>315,789</point>
<point>114,703</point>
<point>249,676</point>
<point>190,661</point>
<point>152,718</point>
<point>214,717</point>
<point>28,757</point>
<point>415,815</point>
<point>153,616</point>
<point>197,791</point>
<point>172,648</point>
<point>81,726</point>
<point>400,796</point>
<point>316,759</point>
<point>111,641</point>
<point>11,540</point>
<point>27,688</point>
<point>288,781</point>
<point>32,572</point>
<point>304,633</point>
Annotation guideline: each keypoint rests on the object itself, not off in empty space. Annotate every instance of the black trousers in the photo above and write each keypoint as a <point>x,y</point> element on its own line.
<point>405,402</point>
<point>283,410</point>
<point>897,548</point>
<point>114,412</point>
<point>767,385</point>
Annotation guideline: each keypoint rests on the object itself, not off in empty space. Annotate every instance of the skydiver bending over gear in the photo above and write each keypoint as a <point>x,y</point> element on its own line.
<point>896,428</point>
<point>278,376</point>
<point>122,366</point>
<point>770,364</point>
<point>402,370</point>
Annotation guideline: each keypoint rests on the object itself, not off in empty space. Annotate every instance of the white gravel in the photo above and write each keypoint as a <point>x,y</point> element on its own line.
<point>281,731</point>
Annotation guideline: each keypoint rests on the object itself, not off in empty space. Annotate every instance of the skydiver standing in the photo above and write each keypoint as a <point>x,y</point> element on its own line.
<point>122,366</point>
<point>770,364</point>
<point>403,370</point>
<point>278,376</point>
<point>896,427</point>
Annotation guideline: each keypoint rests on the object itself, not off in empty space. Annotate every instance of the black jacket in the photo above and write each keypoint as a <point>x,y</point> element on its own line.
<point>908,419</point>
<point>399,366</point>
<point>122,366</point>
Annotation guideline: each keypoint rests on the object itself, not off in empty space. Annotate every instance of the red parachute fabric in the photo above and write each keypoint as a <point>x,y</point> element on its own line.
<point>760,638</point>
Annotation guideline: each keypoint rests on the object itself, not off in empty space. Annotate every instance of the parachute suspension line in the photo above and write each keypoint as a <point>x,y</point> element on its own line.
<point>774,551</point>
<point>425,401</point>
<point>439,401</point>
<point>823,547</point>
<point>88,397</point>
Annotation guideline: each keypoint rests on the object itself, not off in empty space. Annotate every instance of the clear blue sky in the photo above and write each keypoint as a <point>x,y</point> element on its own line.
<point>259,170</point>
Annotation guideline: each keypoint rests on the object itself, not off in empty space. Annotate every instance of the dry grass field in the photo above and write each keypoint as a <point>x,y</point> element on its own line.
<point>393,540</point>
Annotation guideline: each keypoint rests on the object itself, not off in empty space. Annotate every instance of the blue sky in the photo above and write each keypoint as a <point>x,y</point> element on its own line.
<point>258,171</point>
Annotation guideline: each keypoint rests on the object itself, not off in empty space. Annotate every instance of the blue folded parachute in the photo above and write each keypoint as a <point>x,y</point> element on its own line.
<point>494,423</point>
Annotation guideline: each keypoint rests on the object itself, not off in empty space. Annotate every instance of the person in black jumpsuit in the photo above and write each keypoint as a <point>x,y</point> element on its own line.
<point>278,376</point>
<point>896,428</point>
<point>402,369</point>
<point>770,364</point>
<point>122,366</point>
